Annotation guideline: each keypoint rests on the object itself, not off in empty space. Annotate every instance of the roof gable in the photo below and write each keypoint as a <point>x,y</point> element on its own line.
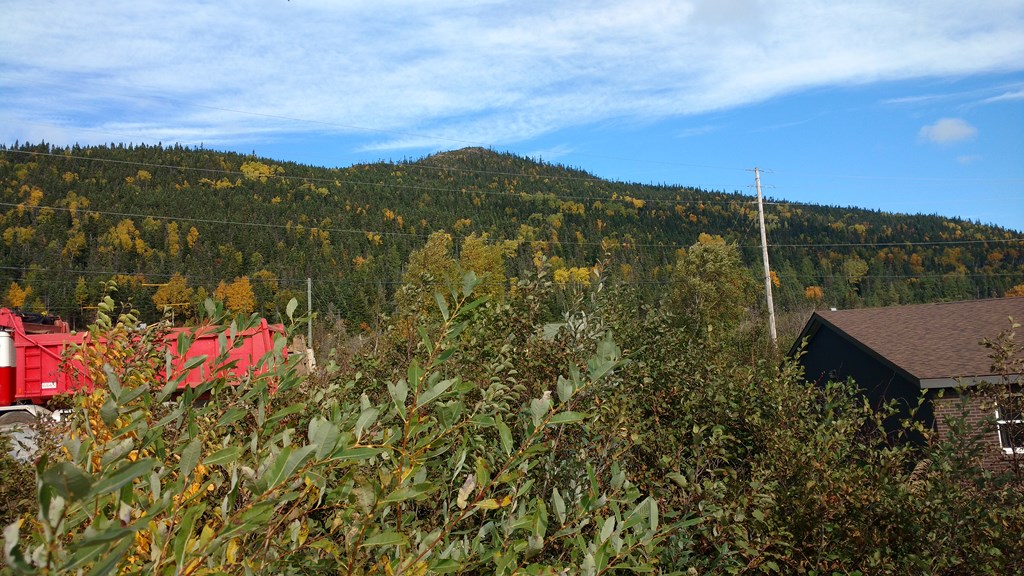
<point>935,344</point>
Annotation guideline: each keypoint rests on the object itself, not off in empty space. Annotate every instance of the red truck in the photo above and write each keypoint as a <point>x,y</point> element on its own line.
<point>33,367</point>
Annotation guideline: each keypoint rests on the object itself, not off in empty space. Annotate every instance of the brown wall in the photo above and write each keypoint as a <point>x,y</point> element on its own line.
<point>980,416</point>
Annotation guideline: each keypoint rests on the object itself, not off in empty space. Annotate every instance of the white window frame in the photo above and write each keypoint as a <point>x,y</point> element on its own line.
<point>1000,422</point>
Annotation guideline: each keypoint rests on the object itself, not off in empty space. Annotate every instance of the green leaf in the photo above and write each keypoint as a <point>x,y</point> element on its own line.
<point>483,473</point>
<point>231,416</point>
<point>414,373</point>
<point>223,456</point>
<point>444,356</point>
<point>274,472</point>
<point>124,476</point>
<point>442,305</point>
<point>324,435</point>
<point>538,409</point>
<point>366,418</point>
<point>540,518</point>
<point>193,362</point>
<point>389,538</point>
<point>284,465</point>
<point>184,532</point>
<point>428,346</point>
<point>110,559</point>
<point>68,481</point>
<point>679,479</point>
<point>469,282</point>
<point>559,504</point>
<point>360,453</point>
<point>608,528</point>
<point>109,411</point>
<point>505,434</point>
<point>286,411</point>
<point>190,457</point>
<point>114,383</point>
<point>474,304</point>
<point>411,492</point>
<point>457,329</point>
<point>551,329</point>
<point>565,389</point>
<point>567,418</point>
<point>436,391</point>
<point>654,514</point>
<point>290,308</point>
<point>399,392</point>
<point>170,387</point>
<point>297,459</point>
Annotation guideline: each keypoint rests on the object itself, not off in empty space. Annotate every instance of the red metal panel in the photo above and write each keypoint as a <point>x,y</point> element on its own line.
<point>42,372</point>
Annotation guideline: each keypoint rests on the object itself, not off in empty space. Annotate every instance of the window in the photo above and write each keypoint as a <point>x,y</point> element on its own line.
<point>1010,423</point>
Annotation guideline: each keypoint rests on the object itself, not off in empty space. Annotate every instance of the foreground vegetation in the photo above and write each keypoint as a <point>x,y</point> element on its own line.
<point>475,433</point>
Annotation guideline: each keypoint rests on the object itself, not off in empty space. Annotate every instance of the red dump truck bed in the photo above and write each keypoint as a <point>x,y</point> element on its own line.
<point>33,367</point>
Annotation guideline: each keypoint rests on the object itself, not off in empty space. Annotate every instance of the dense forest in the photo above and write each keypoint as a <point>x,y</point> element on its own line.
<point>174,225</point>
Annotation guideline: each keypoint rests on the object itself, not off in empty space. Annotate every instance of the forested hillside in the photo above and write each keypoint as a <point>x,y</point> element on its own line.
<point>174,225</point>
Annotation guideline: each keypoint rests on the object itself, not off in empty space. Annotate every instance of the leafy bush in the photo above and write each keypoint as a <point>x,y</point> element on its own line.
<point>435,477</point>
<point>495,441</point>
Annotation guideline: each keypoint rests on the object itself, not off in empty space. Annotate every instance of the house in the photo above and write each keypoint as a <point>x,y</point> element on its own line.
<point>899,352</point>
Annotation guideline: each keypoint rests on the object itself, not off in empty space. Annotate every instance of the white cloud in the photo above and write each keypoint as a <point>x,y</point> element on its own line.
<point>696,131</point>
<point>551,154</point>
<point>491,72</point>
<point>967,159</point>
<point>947,131</point>
<point>1005,97</point>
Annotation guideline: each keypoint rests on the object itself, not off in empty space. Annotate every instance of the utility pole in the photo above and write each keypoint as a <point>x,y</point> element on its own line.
<point>310,359</point>
<point>764,254</point>
<point>309,311</point>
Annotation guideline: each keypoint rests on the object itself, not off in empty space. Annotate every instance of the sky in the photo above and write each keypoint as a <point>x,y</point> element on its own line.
<point>913,106</point>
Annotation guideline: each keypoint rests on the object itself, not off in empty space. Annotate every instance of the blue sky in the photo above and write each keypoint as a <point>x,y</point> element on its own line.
<point>908,106</point>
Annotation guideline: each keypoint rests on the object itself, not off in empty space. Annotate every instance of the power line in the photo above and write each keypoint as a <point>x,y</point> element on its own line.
<point>619,241</point>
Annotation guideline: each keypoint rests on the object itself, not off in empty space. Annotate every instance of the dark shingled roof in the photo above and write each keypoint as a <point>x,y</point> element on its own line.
<point>934,344</point>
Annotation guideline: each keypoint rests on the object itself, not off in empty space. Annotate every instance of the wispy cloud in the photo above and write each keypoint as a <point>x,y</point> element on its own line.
<point>1005,97</point>
<point>947,131</point>
<point>696,131</point>
<point>967,159</point>
<point>552,154</point>
<point>917,99</point>
<point>415,74</point>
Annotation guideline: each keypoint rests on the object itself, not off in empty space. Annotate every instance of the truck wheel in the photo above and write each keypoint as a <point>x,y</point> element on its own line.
<point>17,417</point>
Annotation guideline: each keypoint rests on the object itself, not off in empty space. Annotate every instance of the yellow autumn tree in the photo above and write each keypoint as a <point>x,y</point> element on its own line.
<point>430,269</point>
<point>175,295</point>
<point>192,237</point>
<point>487,259</point>
<point>16,295</point>
<point>814,294</point>
<point>260,171</point>
<point>238,296</point>
<point>1015,292</point>
<point>173,240</point>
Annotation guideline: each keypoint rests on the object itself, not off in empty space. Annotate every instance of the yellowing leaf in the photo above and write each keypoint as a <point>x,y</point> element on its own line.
<point>488,504</point>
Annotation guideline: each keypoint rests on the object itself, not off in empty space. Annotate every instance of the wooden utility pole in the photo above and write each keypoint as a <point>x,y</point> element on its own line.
<point>310,359</point>
<point>764,254</point>
<point>309,311</point>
